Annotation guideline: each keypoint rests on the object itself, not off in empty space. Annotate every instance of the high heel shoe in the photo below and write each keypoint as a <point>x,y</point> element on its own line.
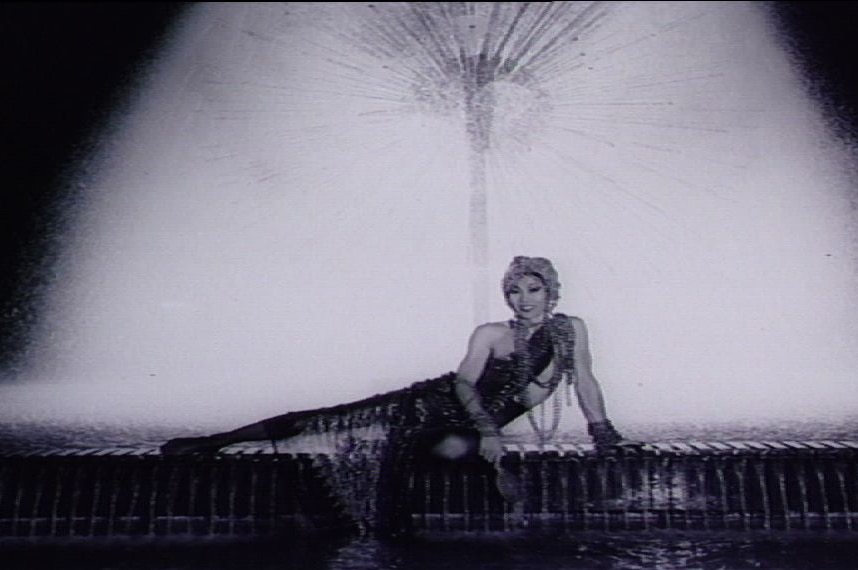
<point>191,445</point>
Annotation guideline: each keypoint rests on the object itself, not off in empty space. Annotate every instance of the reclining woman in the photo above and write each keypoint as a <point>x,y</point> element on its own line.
<point>509,368</point>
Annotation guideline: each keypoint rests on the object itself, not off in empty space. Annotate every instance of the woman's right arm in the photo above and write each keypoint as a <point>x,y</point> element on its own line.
<point>470,370</point>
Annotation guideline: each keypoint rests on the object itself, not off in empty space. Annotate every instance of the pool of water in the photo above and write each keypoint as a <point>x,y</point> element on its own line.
<point>569,551</point>
<point>526,549</point>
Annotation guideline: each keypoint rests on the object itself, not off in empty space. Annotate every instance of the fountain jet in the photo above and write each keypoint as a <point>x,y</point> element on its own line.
<point>281,218</point>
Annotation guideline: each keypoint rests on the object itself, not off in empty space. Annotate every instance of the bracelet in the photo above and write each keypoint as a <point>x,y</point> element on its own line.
<point>484,424</point>
<point>482,420</point>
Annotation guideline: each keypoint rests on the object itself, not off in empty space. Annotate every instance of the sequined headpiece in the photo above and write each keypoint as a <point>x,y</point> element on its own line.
<point>522,266</point>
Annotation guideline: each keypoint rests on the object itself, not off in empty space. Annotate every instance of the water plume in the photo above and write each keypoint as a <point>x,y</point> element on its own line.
<point>307,204</point>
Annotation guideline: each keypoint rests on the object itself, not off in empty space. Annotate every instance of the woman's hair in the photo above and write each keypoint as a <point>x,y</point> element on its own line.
<point>539,267</point>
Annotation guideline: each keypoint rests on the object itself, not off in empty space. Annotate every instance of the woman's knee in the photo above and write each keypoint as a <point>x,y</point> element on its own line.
<point>454,447</point>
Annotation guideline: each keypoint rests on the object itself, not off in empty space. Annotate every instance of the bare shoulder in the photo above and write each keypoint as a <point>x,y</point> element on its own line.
<point>482,342</point>
<point>490,332</point>
<point>572,320</point>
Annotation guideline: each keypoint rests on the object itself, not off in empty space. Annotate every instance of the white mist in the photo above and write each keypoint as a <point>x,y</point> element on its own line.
<point>271,229</point>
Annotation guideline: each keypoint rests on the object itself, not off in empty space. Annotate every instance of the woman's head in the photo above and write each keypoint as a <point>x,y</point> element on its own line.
<point>531,286</point>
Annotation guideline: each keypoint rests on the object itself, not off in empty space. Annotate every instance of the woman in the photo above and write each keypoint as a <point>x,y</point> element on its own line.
<point>510,367</point>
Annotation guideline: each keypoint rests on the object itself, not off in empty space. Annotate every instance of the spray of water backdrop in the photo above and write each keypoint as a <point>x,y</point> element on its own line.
<point>308,203</point>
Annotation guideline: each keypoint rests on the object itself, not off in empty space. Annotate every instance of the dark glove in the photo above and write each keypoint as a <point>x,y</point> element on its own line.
<point>604,434</point>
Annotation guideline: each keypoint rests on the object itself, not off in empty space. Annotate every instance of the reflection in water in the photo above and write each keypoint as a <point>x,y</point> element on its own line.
<point>781,548</point>
<point>667,550</point>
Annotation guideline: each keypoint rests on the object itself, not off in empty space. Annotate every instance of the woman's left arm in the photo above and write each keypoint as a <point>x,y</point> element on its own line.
<point>590,398</point>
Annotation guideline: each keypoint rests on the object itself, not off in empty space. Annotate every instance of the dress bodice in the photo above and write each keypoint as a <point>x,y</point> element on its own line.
<point>501,383</point>
<point>501,387</point>
<point>503,369</point>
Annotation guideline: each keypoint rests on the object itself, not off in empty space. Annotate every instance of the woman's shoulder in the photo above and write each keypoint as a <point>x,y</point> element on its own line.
<point>488,335</point>
<point>494,327</point>
<point>574,325</point>
<point>570,319</point>
<point>492,330</point>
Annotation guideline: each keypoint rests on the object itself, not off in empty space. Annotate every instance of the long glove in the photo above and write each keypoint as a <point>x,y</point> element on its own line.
<point>604,435</point>
<point>470,399</point>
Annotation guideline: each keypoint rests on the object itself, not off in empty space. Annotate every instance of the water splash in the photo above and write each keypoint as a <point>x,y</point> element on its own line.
<point>294,171</point>
<point>488,61</point>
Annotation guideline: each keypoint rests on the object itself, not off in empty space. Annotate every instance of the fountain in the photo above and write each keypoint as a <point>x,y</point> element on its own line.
<point>305,205</point>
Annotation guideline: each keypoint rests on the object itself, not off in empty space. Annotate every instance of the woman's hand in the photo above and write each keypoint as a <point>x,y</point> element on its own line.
<point>491,448</point>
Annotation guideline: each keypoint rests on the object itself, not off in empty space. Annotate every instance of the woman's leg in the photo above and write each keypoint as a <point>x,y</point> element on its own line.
<point>462,443</point>
<point>279,427</point>
<point>459,445</point>
<point>447,444</point>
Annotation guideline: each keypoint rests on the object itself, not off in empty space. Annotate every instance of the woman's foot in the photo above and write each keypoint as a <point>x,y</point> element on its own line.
<point>190,445</point>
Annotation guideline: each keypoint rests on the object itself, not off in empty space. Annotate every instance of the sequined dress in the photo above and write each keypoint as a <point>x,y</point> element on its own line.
<point>428,405</point>
<point>414,420</point>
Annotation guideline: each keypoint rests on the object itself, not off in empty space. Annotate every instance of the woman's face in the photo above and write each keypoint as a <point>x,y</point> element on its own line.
<point>528,298</point>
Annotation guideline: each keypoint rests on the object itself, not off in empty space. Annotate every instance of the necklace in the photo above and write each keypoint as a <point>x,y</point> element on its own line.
<point>562,337</point>
<point>520,326</point>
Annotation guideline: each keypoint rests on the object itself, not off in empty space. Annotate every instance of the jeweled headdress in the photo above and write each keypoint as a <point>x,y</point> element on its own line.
<point>522,266</point>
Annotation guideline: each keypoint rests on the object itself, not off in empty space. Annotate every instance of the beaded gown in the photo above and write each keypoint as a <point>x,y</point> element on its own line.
<point>429,405</point>
<point>413,420</point>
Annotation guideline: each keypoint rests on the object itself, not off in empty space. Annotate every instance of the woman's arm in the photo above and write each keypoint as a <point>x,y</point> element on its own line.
<point>590,398</point>
<point>470,369</point>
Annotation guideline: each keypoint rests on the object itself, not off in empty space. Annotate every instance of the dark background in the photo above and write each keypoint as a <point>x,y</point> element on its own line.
<point>65,66</point>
